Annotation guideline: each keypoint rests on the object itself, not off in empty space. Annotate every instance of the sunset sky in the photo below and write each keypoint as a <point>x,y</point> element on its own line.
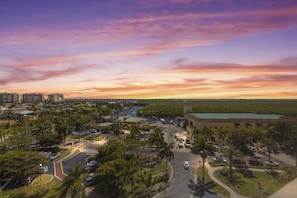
<point>149,48</point>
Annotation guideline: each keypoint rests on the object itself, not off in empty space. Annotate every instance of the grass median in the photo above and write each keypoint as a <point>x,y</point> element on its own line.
<point>210,184</point>
<point>259,184</point>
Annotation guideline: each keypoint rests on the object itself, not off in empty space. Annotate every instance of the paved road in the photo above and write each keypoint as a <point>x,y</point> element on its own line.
<point>91,146</point>
<point>183,183</point>
<point>72,162</point>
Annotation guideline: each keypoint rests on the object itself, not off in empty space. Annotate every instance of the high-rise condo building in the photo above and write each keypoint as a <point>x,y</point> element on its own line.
<point>31,98</point>
<point>9,98</point>
<point>56,97</point>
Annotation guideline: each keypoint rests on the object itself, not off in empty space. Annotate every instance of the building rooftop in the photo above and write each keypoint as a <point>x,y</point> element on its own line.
<point>130,119</point>
<point>226,116</point>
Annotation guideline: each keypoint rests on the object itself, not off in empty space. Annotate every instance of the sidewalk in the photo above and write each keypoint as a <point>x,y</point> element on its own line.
<point>288,191</point>
<point>211,171</point>
<point>58,170</point>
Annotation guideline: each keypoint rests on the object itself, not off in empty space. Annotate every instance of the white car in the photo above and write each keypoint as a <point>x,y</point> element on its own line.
<point>271,163</point>
<point>186,165</point>
<point>220,159</point>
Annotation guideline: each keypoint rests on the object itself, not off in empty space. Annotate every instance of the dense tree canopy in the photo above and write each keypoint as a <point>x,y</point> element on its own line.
<point>18,164</point>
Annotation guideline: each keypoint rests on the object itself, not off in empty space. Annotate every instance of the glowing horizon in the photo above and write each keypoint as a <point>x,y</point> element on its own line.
<point>150,49</point>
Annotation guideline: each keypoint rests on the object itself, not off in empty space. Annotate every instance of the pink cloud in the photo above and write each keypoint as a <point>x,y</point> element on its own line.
<point>182,66</point>
<point>19,74</point>
<point>163,32</point>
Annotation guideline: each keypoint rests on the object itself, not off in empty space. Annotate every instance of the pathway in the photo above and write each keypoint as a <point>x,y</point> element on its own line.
<point>58,170</point>
<point>288,191</point>
<point>211,171</point>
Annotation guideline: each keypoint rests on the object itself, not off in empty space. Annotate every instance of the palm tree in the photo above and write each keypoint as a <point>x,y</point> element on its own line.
<point>72,186</point>
<point>291,143</point>
<point>207,132</point>
<point>144,182</point>
<point>223,133</point>
<point>157,137</point>
<point>134,132</point>
<point>272,147</point>
<point>256,135</point>
<point>195,133</point>
<point>117,128</point>
<point>201,146</point>
<point>62,129</point>
<point>2,134</point>
<point>166,153</point>
<point>231,152</point>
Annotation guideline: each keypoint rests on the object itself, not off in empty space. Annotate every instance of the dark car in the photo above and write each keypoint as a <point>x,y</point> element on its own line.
<point>239,162</point>
<point>90,169</point>
<point>255,162</point>
<point>90,180</point>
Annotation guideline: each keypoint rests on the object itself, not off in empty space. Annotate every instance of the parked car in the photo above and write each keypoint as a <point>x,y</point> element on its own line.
<point>10,183</point>
<point>5,183</point>
<point>92,163</point>
<point>186,165</point>
<point>220,159</point>
<point>91,166</point>
<point>187,143</point>
<point>239,162</point>
<point>94,135</point>
<point>271,163</point>
<point>216,148</point>
<point>90,169</point>
<point>255,162</point>
<point>209,153</point>
<point>180,142</point>
<point>90,180</point>
<point>180,145</point>
<point>55,156</point>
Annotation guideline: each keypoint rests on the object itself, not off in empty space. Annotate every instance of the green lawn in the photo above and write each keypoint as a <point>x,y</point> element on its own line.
<point>99,138</point>
<point>258,184</point>
<point>211,185</point>
<point>42,179</point>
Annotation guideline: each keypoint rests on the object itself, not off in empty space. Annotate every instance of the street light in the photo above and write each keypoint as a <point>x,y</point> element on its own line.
<point>40,165</point>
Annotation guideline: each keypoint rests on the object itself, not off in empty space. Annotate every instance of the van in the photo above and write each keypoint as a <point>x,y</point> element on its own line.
<point>188,143</point>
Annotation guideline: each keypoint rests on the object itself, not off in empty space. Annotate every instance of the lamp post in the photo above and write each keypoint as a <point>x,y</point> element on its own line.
<point>40,165</point>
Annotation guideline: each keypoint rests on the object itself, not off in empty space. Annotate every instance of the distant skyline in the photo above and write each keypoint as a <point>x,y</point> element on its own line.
<point>150,48</point>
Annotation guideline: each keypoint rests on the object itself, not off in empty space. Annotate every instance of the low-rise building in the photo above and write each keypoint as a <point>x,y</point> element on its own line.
<point>231,121</point>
